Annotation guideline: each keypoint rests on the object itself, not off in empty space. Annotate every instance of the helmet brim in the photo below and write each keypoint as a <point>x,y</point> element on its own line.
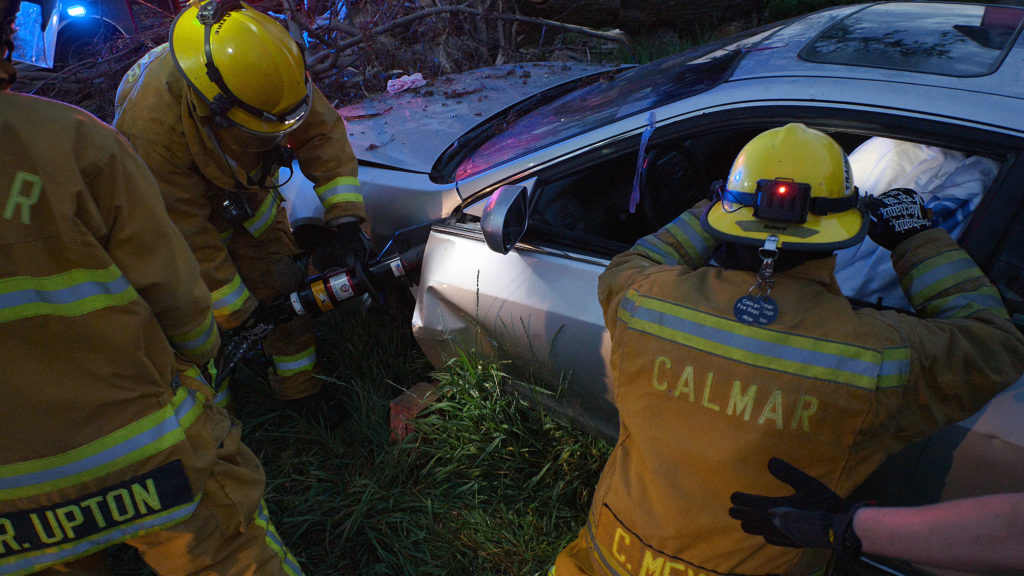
<point>821,233</point>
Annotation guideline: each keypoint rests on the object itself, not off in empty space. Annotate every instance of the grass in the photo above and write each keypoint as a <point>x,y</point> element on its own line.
<point>484,484</point>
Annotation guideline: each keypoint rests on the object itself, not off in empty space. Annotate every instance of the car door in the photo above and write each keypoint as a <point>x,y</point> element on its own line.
<point>536,305</point>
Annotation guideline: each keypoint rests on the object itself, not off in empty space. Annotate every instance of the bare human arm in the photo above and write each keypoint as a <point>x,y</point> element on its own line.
<point>980,534</point>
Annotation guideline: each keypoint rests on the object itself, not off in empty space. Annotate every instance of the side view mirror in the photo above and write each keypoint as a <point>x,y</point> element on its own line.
<point>504,217</point>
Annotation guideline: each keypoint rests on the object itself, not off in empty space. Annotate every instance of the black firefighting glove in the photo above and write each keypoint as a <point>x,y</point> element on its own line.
<point>258,325</point>
<point>351,246</point>
<point>236,343</point>
<point>813,517</point>
<point>897,215</point>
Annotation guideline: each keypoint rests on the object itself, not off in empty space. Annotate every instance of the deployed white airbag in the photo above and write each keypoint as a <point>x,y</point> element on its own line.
<point>951,184</point>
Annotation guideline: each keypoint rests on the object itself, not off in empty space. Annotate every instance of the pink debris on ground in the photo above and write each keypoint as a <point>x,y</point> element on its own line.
<point>406,82</point>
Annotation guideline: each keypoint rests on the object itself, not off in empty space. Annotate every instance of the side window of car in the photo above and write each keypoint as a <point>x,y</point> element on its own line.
<point>590,204</point>
<point>590,208</point>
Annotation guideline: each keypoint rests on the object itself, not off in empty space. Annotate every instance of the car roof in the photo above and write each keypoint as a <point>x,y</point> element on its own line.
<point>788,51</point>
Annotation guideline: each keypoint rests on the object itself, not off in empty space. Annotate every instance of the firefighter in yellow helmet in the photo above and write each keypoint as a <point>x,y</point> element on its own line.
<point>108,432</point>
<point>215,113</point>
<point>717,368</point>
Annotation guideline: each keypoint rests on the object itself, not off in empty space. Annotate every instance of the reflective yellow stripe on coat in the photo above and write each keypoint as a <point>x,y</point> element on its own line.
<point>341,189</point>
<point>197,343</point>
<point>71,293</point>
<point>230,298</point>
<point>766,348</point>
<point>680,241</point>
<point>291,566</point>
<point>263,217</point>
<point>291,365</point>
<point>128,445</point>
<point>927,280</point>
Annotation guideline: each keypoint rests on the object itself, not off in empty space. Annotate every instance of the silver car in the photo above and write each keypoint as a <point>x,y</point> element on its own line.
<point>534,192</point>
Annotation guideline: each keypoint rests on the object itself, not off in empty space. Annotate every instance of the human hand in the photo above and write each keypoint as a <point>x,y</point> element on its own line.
<point>256,327</point>
<point>350,244</point>
<point>812,517</point>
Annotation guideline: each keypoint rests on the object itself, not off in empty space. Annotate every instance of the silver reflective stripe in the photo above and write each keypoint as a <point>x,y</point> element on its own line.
<point>937,273</point>
<point>686,231</point>
<point>288,365</point>
<point>64,295</point>
<point>963,305</point>
<point>341,189</point>
<point>71,293</point>
<point>598,553</point>
<point>199,342</point>
<point>291,566</point>
<point>239,292</point>
<point>264,217</point>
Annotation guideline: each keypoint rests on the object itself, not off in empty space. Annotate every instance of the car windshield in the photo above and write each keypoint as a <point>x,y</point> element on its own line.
<point>528,127</point>
<point>959,41</point>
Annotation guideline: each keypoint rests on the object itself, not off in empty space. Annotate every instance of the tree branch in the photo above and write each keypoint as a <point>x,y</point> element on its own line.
<point>615,35</point>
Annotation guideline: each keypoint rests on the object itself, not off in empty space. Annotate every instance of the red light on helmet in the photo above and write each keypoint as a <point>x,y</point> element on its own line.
<point>783,200</point>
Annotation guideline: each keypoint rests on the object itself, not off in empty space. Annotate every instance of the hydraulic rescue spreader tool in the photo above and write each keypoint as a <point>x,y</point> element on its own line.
<point>324,292</point>
<point>398,263</point>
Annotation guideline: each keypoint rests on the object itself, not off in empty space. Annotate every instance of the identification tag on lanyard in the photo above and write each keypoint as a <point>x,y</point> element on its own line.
<point>756,310</point>
<point>757,307</point>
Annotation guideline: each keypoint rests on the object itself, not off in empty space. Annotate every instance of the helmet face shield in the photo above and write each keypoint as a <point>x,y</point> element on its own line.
<point>258,122</point>
<point>236,140</point>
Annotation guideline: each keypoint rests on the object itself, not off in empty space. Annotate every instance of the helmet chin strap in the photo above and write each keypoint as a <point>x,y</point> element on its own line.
<point>240,176</point>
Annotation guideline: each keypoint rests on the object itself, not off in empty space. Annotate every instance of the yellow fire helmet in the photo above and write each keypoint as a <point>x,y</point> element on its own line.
<point>243,65</point>
<point>793,182</point>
